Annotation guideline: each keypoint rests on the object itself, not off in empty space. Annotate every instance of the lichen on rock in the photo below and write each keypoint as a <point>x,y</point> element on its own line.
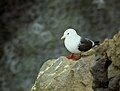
<point>111,48</point>
<point>63,74</point>
<point>107,54</point>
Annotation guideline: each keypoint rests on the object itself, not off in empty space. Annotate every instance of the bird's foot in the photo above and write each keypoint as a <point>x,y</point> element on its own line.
<point>74,57</point>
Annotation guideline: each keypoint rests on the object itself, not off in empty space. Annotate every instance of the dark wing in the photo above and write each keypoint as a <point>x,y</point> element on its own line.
<point>85,44</point>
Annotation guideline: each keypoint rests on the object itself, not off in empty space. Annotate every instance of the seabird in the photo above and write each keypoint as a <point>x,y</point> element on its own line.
<point>77,44</point>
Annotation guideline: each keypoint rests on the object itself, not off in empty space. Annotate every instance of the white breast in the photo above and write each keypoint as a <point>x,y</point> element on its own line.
<point>71,43</point>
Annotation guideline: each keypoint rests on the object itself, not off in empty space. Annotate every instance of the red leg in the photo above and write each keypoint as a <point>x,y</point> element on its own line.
<point>73,57</point>
<point>70,56</point>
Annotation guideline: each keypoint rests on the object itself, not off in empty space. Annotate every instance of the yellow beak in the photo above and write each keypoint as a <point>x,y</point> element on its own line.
<point>63,37</point>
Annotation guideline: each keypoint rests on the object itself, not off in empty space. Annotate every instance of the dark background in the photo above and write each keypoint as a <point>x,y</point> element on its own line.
<point>30,32</point>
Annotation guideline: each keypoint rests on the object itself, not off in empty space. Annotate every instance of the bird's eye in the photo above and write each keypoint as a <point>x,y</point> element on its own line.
<point>67,33</point>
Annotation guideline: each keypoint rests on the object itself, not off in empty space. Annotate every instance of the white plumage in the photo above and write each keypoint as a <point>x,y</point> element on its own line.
<point>75,43</point>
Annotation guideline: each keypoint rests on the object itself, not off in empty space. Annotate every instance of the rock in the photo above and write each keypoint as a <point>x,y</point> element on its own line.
<point>24,23</point>
<point>111,48</point>
<point>65,75</point>
<point>100,74</point>
<point>108,52</point>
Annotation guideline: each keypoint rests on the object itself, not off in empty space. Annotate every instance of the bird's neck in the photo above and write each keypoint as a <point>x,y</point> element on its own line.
<point>73,37</point>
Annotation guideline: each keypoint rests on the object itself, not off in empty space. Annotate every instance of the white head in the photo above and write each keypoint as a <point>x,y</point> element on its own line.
<point>69,33</point>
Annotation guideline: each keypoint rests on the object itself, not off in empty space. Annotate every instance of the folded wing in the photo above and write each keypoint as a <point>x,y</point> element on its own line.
<point>85,44</point>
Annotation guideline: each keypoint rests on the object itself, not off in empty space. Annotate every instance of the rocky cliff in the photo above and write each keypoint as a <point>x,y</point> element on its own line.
<point>30,32</point>
<point>65,75</point>
<point>99,70</point>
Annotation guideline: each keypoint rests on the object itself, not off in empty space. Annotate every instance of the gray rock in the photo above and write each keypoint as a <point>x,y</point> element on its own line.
<point>65,75</point>
<point>22,50</point>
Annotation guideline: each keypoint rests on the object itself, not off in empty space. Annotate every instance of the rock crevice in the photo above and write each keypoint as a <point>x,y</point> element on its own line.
<point>96,72</point>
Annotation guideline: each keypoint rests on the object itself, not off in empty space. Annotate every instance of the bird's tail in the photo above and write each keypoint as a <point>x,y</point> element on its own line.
<point>96,43</point>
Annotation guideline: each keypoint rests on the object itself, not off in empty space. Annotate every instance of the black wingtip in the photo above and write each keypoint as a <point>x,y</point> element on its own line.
<point>96,42</point>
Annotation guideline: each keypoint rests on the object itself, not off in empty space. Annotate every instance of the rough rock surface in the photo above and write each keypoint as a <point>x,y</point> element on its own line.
<point>111,48</point>
<point>24,25</point>
<point>108,52</point>
<point>65,75</point>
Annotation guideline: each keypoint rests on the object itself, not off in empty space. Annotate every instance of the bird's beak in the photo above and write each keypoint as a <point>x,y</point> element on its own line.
<point>63,37</point>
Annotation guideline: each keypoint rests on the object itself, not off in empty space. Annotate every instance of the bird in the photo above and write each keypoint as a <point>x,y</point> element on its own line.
<point>76,44</point>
